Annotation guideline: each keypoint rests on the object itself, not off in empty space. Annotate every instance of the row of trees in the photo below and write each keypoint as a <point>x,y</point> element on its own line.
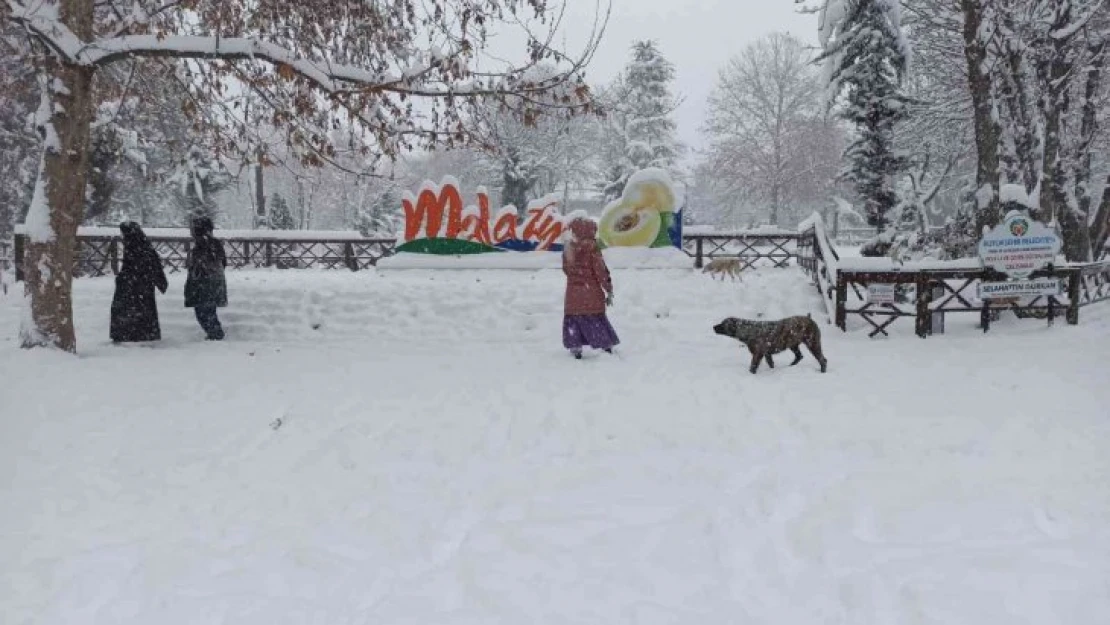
<point>167,156</point>
<point>523,159</point>
<point>1003,107</point>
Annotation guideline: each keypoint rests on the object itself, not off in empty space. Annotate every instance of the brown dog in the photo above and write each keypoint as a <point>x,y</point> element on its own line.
<point>764,338</point>
<point>724,267</point>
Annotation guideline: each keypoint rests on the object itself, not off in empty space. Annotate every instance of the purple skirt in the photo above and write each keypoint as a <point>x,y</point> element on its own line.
<point>588,330</point>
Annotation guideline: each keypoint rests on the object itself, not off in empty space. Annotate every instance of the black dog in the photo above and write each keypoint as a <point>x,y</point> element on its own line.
<point>764,338</point>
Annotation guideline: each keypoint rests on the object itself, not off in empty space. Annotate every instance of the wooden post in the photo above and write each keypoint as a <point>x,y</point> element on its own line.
<point>1075,279</point>
<point>985,316</point>
<point>922,320</point>
<point>841,303</point>
<point>349,256</point>
<point>113,252</point>
<point>698,253</point>
<point>17,257</point>
<point>269,253</point>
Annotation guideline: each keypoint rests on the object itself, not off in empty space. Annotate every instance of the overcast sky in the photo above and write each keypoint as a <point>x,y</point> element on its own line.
<point>698,36</point>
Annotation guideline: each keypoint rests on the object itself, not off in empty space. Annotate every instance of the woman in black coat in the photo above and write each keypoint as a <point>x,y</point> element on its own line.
<point>205,287</point>
<point>134,310</point>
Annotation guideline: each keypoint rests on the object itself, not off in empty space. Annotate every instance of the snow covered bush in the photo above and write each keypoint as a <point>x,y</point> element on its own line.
<point>197,181</point>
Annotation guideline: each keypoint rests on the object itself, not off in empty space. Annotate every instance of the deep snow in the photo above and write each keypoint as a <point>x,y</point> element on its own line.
<point>429,454</point>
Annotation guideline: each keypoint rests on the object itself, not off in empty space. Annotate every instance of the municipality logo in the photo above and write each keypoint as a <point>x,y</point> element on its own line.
<point>1019,227</point>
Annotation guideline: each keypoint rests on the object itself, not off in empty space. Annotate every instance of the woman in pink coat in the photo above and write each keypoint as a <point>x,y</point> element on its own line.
<point>589,291</point>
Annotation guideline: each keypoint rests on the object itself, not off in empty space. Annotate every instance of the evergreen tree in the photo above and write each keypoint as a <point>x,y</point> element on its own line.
<point>281,218</point>
<point>640,107</point>
<point>866,55</point>
<point>518,176</point>
<point>381,215</point>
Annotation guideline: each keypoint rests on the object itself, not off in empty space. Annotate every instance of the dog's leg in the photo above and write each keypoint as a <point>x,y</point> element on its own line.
<point>814,345</point>
<point>756,358</point>
<point>797,355</point>
<point>770,362</point>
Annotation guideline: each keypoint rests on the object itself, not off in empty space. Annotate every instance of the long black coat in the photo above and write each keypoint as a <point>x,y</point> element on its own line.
<point>206,287</point>
<point>134,310</point>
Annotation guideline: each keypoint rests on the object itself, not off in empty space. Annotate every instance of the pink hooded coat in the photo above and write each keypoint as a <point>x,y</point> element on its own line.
<point>588,280</point>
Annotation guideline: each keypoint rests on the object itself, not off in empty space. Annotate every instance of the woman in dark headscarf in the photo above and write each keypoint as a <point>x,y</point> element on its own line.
<point>205,287</point>
<point>134,310</point>
<point>589,291</point>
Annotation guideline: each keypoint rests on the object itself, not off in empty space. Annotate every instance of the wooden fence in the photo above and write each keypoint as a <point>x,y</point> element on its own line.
<point>7,264</point>
<point>752,248</point>
<point>843,288</point>
<point>937,292</point>
<point>100,254</point>
<point>7,254</point>
<point>817,256</point>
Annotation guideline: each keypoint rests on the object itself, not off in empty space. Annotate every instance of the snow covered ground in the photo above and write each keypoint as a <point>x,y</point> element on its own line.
<point>415,447</point>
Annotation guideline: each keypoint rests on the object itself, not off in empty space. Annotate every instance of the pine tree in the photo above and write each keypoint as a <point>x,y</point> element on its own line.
<point>641,105</point>
<point>281,218</point>
<point>381,216</point>
<point>866,55</point>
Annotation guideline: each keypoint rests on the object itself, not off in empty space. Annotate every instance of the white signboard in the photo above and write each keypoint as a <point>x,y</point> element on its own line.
<point>881,293</point>
<point>1019,288</point>
<point>1019,246</point>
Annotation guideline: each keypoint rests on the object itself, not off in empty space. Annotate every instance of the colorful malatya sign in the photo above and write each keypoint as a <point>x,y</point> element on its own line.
<point>437,222</point>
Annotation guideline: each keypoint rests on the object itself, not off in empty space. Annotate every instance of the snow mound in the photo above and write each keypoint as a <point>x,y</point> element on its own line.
<point>616,258</point>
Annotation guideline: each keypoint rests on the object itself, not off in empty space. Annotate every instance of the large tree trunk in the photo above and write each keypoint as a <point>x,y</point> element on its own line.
<point>1100,227</point>
<point>1021,156</point>
<point>48,258</point>
<point>987,212</point>
<point>1055,74</point>
<point>1075,231</point>
<point>260,218</point>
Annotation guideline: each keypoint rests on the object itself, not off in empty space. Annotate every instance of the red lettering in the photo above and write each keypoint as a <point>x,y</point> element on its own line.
<point>542,227</point>
<point>505,228</point>
<point>428,213</point>
<point>472,227</point>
